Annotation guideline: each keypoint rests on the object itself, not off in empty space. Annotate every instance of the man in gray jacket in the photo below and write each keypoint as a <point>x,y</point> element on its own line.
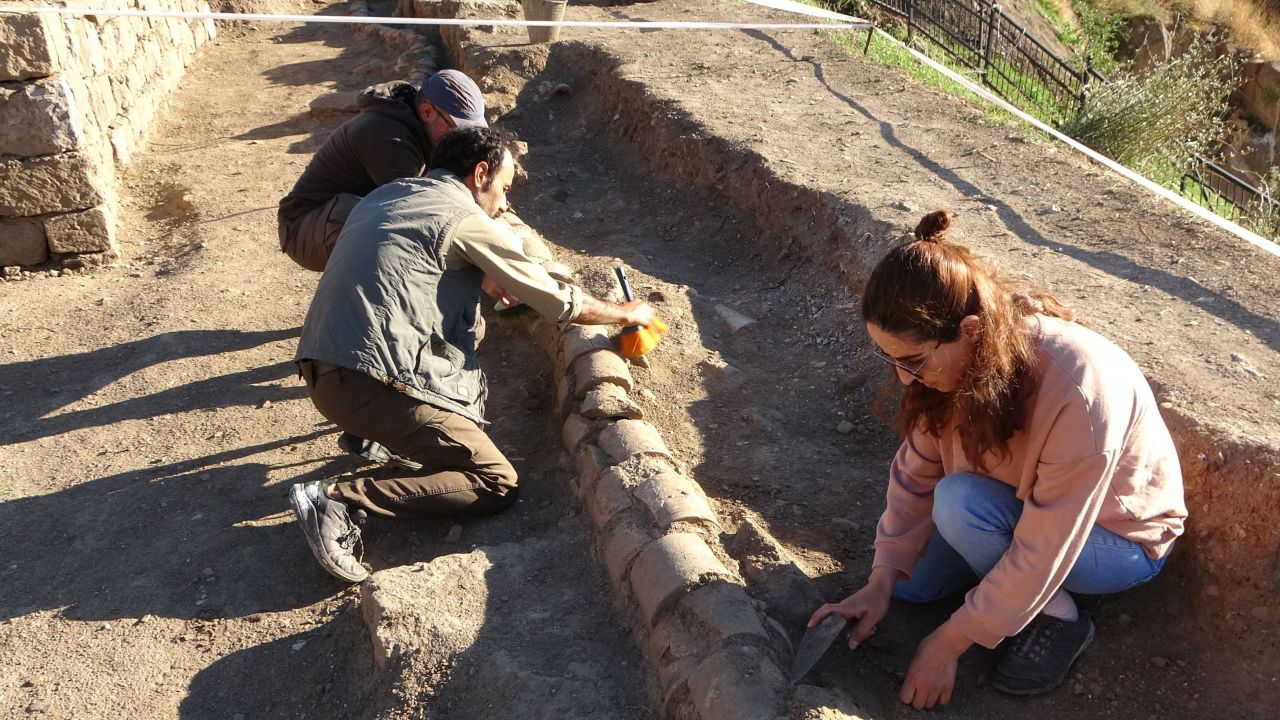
<point>391,138</point>
<point>388,348</point>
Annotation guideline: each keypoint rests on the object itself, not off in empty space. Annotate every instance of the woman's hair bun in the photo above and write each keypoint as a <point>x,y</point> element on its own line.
<point>933,225</point>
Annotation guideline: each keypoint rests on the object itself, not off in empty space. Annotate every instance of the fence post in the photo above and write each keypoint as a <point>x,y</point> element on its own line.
<point>911,20</point>
<point>1084,78</point>
<point>993,22</point>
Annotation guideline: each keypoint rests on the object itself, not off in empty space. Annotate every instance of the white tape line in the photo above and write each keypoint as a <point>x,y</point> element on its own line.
<point>850,23</point>
<point>802,9</point>
<point>362,20</point>
<point>1186,204</point>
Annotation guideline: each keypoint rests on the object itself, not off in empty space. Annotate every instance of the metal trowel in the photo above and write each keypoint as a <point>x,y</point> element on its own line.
<point>815,643</point>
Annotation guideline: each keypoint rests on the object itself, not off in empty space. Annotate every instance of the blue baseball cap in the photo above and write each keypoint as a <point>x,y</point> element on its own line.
<point>457,95</point>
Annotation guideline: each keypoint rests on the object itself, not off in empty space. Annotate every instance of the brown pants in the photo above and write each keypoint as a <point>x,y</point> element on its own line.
<point>309,240</point>
<point>463,472</point>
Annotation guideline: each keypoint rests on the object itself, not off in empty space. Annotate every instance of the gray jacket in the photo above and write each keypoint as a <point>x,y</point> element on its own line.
<point>387,305</point>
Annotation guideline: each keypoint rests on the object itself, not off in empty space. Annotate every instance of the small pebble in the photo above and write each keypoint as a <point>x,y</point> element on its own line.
<point>454,534</point>
<point>298,645</point>
<point>207,572</point>
<point>1159,661</point>
<point>844,427</point>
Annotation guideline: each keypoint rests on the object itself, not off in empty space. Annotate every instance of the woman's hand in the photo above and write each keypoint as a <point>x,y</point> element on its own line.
<point>868,606</point>
<point>932,675</point>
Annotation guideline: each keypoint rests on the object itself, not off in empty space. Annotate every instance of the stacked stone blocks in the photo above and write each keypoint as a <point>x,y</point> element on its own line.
<point>715,653</point>
<point>78,95</point>
<point>658,538</point>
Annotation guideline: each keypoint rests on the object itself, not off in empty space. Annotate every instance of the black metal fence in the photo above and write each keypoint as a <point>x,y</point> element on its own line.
<point>1010,60</point>
<point>1215,187</point>
<point>1021,69</point>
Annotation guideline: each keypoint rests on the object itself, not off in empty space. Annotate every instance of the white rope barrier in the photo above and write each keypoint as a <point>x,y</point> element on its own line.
<point>495,22</point>
<point>840,21</point>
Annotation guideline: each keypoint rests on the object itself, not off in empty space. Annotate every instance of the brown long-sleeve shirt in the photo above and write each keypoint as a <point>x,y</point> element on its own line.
<point>1094,451</point>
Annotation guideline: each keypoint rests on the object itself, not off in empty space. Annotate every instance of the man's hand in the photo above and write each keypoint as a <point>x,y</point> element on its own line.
<point>868,606</point>
<point>932,674</point>
<point>638,312</point>
<point>599,312</point>
<point>491,288</point>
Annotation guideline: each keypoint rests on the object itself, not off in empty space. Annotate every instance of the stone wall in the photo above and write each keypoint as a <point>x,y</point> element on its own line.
<point>1258,109</point>
<point>77,97</point>
<point>1254,119</point>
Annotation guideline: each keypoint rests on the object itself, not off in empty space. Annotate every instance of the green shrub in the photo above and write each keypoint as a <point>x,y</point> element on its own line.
<point>1098,37</point>
<point>1158,121</point>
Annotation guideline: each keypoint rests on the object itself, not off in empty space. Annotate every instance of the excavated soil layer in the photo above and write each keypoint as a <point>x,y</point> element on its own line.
<point>661,155</point>
<point>152,421</point>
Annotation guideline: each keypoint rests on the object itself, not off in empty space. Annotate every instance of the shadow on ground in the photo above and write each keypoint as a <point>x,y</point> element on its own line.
<point>92,548</point>
<point>40,387</point>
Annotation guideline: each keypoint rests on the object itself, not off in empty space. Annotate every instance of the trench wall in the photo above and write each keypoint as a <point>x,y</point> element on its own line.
<point>78,95</point>
<point>716,653</point>
<point>1231,556</point>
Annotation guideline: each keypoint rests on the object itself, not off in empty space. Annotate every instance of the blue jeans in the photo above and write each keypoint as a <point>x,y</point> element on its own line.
<point>975,517</point>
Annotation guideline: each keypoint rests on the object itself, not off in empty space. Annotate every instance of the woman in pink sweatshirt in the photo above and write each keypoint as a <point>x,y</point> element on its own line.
<point>1034,465</point>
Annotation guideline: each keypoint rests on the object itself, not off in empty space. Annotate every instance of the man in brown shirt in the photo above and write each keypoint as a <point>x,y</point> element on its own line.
<point>391,138</point>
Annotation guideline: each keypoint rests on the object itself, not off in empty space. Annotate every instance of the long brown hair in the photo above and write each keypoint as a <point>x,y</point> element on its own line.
<point>922,290</point>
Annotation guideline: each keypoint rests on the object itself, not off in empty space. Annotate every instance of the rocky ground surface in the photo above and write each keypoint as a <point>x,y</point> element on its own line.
<point>152,420</point>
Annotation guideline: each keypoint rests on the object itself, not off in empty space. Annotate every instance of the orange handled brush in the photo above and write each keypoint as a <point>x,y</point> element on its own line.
<point>637,340</point>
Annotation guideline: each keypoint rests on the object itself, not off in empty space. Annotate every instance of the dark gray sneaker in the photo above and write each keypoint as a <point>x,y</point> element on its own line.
<point>374,452</point>
<point>1038,659</point>
<point>330,532</point>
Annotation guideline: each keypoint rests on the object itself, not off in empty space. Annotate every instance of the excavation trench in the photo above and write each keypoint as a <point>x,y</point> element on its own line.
<point>774,421</point>
<point>757,173</point>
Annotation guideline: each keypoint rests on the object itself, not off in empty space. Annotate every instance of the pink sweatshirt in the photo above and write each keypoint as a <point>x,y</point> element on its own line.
<point>1094,451</point>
